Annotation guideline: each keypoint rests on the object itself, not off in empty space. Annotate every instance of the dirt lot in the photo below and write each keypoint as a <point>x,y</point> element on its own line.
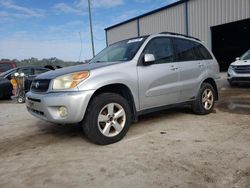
<point>173,148</point>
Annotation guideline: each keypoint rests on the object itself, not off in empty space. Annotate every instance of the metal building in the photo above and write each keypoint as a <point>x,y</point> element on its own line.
<point>224,25</point>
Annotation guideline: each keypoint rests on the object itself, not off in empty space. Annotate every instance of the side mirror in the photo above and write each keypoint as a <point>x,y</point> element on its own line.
<point>149,58</point>
<point>237,58</point>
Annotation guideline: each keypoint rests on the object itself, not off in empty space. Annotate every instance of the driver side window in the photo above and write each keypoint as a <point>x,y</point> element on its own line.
<point>26,71</point>
<point>161,48</point>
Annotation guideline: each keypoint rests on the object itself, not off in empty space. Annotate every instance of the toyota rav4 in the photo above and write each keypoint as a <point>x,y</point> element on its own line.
<point>127,79</point>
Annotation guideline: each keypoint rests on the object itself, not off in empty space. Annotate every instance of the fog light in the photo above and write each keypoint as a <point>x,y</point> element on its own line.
<point>63,112</point>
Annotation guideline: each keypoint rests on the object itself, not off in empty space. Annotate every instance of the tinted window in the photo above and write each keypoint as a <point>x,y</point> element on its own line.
<point>187,50</point>
<point>4,67</point>
<point>161,48</point>
<point>26,71</point>
<point>39,71</point>
<point>204,52</point>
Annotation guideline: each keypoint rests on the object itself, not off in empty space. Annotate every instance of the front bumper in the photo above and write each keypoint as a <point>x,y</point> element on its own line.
<point>46,106</point>
<point>234,77</point>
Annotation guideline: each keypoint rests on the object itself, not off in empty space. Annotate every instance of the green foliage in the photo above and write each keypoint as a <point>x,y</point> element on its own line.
<point>54,62</point>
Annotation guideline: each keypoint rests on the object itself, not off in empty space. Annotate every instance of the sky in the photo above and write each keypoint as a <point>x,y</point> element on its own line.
<point>53,28</point>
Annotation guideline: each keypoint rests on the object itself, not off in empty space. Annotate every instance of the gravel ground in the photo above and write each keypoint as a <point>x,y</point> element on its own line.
<point>172,148</point>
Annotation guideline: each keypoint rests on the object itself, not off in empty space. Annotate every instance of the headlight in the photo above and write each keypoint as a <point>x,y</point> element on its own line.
<point>69,81</point>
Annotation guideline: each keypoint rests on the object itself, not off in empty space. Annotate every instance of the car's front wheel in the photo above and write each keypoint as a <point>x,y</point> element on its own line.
<point>107,119</point>
<point>205,100</point>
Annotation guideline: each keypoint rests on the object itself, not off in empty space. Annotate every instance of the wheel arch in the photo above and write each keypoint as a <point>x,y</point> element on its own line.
<point>122,90</point>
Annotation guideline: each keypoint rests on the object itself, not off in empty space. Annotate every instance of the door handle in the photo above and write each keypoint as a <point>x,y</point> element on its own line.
<point>173,69</point>
<point>201,65</point>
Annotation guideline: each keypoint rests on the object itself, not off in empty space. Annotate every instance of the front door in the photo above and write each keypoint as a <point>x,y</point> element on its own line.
<point>159,81</point>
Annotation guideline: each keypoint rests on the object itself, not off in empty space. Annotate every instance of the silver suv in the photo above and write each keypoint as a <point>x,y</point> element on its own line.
<point>127,79</point>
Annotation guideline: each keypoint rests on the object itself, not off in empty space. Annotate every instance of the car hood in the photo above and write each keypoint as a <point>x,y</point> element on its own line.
<point>241,62</point>
<point>67,70</point>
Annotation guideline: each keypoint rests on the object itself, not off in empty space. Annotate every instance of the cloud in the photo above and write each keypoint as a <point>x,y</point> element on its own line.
<point>80,6</point>
<point>69,30</point>
<point>98,3</point>
<point>21,11</point>
<point>63,7</point>
<point>6,16</point>
<point>143,1</point>
<point>25,48</point>
<point>68,26</point>
<point>62,41</point>
<point>127,15</point>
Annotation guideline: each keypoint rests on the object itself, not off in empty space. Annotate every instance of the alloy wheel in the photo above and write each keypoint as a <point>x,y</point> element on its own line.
<point>207,99</point>
<point>111,119</point>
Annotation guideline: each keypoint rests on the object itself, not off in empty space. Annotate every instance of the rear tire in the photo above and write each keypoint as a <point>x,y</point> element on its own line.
<point>107,119</point>
<point>205,100</point>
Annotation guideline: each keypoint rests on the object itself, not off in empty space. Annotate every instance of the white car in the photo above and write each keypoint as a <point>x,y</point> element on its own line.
<point>239,71</point>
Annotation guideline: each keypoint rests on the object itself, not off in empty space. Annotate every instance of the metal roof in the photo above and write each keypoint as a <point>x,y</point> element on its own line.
<point>148,13</point>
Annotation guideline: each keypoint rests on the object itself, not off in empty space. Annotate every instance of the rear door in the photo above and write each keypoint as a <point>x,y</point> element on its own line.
<point>159,81</point>
<point>192,67</point>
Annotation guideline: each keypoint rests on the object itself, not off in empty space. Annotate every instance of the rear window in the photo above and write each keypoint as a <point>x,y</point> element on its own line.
<point>204,52</point>
<point>5,66</point>
<point>187,50</point>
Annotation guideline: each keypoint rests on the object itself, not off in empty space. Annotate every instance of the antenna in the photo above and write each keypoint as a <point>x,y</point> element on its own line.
<point>81,46</point>
<point>91,30</point>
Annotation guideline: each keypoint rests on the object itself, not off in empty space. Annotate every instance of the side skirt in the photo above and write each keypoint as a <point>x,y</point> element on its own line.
<point>155,109</point>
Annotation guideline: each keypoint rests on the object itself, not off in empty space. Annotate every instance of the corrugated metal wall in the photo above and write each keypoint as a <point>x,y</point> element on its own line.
<point>202,15</point>
<point>172,20</point>
<point>125,31</point>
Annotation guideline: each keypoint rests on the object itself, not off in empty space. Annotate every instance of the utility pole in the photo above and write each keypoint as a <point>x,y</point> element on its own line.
<point>91,30</point>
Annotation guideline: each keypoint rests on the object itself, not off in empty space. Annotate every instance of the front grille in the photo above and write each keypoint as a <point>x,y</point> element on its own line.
<point>40,85</point>
<point>241,79</point>
<point>243,69</point>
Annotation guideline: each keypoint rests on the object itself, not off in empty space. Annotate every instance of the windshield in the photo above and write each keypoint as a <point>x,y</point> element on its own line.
<point>245,56</point>
<point>120,51</point>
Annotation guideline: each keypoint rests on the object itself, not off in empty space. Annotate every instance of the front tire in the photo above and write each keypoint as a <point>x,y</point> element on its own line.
<point>107,119</point>
<point>205,100</point>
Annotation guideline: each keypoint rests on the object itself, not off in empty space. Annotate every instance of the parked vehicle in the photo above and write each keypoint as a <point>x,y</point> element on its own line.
<point>127,79</point>
<point>29,71</point>
<point>239,71</point>
<point>6,65</point>
<point>18,83</point>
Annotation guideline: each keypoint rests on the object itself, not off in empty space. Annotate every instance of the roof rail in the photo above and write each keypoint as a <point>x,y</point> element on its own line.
<point>178,34</point>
